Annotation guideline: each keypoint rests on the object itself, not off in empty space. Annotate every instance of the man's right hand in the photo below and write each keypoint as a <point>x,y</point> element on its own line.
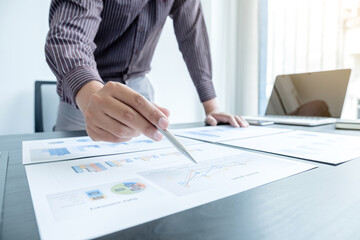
<point>115,113</point>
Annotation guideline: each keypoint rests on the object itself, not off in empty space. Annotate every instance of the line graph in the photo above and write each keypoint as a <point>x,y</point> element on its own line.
<point>207,172</point>
<point>189,179</point>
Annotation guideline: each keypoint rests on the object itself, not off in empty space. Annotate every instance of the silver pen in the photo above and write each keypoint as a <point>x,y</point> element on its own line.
<point>177,143</point>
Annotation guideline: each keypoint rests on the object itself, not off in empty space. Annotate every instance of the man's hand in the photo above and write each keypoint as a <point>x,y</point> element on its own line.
<point>214,116</point>
<point>115,113</point>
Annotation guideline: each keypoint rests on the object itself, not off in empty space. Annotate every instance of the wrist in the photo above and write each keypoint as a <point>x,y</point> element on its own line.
<point>210,106</point>
<point>83,96</point>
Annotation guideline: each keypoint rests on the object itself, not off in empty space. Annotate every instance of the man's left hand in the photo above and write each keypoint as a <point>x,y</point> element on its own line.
<point>215,118</point>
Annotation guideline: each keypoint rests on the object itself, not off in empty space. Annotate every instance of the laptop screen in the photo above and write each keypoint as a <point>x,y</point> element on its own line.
<point>309,94</point>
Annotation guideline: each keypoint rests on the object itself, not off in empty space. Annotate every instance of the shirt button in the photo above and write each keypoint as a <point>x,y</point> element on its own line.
<point>141,29</point>
<point>136,51</point>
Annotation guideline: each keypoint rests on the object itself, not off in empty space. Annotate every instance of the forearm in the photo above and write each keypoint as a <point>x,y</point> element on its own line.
<point>70,44</point>
<point>191,34</point>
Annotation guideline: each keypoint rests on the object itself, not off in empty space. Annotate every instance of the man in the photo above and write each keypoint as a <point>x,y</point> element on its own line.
<point>100,52</point>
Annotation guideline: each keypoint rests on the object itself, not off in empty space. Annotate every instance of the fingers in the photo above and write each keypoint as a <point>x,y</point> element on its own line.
<point>109,135</point>
<point>141,105</point>
<point>211,120</point>
<point>241,121</point>
<point>117,128</point>
<point>235,121</point>
<point>130,111</point>
<point>127,118</point>
<point>98,134</point>
<point>226,118</point>
<point>164,110</point>
<point>117,113</point>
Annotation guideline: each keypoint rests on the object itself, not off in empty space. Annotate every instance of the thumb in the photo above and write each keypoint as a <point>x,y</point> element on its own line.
<point>163,110</point>
<point>211,120</point>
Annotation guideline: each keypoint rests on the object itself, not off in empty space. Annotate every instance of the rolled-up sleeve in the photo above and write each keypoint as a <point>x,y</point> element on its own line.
<point>192,37</point>
<point>69,47</point>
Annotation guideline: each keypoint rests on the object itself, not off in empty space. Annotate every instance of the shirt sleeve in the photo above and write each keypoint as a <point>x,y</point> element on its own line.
<point>192,37</point>
<point>69,47</point>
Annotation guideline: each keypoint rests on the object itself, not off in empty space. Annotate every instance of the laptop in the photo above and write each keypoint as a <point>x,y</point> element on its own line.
<point>307,99</point>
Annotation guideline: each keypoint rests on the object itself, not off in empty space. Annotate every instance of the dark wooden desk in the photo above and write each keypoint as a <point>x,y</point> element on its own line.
<point>323,203</point>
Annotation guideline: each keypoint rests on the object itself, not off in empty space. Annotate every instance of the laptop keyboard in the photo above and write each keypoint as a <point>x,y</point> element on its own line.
<point>294,120</point>
<point>297,117</point>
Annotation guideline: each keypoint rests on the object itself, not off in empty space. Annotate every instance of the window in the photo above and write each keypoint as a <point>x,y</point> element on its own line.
<point>315,35</point>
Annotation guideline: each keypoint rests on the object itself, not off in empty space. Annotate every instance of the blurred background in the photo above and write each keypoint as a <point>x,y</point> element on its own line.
<point>251,41</point>
<point>316,35</point>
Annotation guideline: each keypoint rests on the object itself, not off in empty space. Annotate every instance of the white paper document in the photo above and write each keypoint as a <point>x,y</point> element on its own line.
<point>315,146</point>
<point>79,147</point>
<point>87,198</point>
<point>225,133</point>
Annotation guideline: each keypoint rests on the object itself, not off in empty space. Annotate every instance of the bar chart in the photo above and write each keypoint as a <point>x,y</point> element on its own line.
<point>99,167</point>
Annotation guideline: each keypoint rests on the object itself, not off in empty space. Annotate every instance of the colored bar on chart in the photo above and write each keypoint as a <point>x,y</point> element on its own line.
<point>58,151</point>
<point>117,163</point>
<point>84,140</point>
<point>100,166</point>
<point>84,148</point>
<point>113,163</point>
<point>144,158</point>
<point>117,144</point>
<point>95,195</point>
<point>56,142</point>
<point>89,168</point>
<point>82,167</point>
<point>92,167</point>
<point>144,141</point>
<point>77,169</point>
<point>95,167</point>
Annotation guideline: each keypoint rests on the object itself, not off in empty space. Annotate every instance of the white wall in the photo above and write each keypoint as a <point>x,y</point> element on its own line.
<point>234,34</point>
<point>24,26</point>
<point>247,61</point>
<point>172,83</point>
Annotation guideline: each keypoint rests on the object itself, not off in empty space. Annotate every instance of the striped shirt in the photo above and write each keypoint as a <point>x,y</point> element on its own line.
<point>114,40</point>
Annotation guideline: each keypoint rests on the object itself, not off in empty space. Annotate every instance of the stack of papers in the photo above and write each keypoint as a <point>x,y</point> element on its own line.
<point>91,197</point>
<point>348,124</point>
<point>319,147</point>
<point>218,134</point>
<point>308,145</point>
<point>79,147</point>
<point>84,189</point>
